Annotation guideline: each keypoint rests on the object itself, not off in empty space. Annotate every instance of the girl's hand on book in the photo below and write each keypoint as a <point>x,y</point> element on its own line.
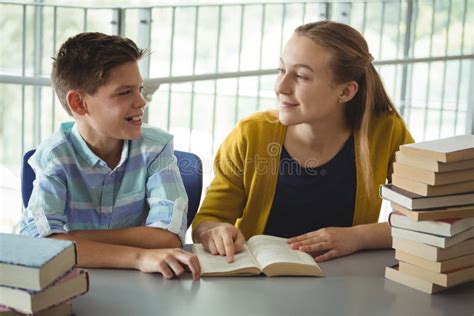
<point>223,239</point>
<point>333,241</point>
<point>169,262</point>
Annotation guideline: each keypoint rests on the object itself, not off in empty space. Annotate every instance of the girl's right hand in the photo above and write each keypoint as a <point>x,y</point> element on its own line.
<point>169,262</point>
<point>223,239</point>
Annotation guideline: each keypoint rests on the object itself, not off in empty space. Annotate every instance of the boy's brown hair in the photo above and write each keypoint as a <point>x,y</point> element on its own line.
<point>85,60</point>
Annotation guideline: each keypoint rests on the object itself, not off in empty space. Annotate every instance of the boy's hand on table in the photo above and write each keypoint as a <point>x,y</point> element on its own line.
<point>223,239</point>
<point>169,262</point>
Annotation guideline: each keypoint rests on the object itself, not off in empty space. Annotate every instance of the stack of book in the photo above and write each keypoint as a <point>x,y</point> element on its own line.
<point>432,196</point>
<point>39,276</point>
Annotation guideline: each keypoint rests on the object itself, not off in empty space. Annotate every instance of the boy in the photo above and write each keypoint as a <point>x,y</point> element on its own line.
<point>100,178</point>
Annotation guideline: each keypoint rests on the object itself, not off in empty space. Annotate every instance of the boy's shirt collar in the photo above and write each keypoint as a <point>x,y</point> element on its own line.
<point>83,149</point>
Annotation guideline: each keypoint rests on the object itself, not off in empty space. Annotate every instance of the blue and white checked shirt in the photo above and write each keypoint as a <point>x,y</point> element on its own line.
<point>76,190</point>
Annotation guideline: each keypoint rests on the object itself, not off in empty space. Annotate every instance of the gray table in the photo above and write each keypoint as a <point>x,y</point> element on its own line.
<point>354,285</point>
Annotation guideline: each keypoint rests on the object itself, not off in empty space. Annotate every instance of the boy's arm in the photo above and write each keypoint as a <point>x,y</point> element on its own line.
<point>169,262</point>
<point>141,237</point>
<point>166,195</point>
<point>93,254</point>
<point>45,212</point>
<point>45,216</point>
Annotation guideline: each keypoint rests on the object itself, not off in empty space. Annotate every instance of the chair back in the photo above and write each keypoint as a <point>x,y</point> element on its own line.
<point>190,168</point>
<point>27,178</point>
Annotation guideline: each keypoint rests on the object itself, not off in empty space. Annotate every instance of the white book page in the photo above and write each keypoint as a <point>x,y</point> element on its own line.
<point>212,263</point>
<point>270,249</point>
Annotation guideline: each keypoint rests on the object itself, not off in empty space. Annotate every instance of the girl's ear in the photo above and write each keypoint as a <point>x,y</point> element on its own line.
<point>76,102</point>
<point>349,90</point>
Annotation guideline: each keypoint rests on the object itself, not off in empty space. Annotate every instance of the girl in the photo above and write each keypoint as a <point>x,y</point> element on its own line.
<point>310,172</point>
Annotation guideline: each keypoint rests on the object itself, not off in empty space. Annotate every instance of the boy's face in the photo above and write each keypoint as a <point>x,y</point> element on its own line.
<point>115,111</point>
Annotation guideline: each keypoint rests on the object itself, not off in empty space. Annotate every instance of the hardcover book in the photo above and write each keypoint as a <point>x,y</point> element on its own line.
<point>434,253</point>
<point>435,214</point>
<point>436,266</point>
<point>393,274</point>
<point>448,227</point>
<point>64,309</point>
<point>434,240</point>
<point>449,149</point>
<point>447,279</point>
<point>424,189</point>
<point>432,177</point>
<point>34,263</point>
<point>73,284</point>
<point>433,165</point>
<point>413,201</point>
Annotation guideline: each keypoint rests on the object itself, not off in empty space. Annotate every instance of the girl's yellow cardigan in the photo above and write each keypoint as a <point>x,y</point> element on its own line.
<point>247,163</point>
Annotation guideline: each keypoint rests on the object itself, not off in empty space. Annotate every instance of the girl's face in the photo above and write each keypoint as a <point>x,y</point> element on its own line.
<point>305,87</point>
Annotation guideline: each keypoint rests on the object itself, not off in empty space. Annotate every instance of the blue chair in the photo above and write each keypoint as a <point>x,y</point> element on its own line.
<point>190,168</point>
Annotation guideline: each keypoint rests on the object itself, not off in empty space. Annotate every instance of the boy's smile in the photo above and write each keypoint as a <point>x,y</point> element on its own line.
<point>136,119</point>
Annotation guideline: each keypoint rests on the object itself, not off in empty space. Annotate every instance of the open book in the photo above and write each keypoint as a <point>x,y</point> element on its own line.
<point>261,254</point>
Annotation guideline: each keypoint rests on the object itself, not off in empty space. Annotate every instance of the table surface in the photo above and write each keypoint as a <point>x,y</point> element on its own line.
<point>354,285</point>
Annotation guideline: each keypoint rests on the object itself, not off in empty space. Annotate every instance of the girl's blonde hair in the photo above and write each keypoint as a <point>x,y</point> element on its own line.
<point>351,61</point>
